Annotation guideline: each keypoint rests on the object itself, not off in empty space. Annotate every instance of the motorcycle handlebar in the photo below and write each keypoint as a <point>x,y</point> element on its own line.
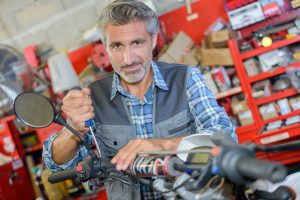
<point>62,175</point>
<point>258,169</point>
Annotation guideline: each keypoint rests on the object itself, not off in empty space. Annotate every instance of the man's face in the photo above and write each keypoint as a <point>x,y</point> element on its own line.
<point>130,50</point>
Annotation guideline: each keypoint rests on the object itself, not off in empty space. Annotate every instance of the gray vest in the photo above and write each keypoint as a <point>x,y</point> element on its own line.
<point>171,117</point>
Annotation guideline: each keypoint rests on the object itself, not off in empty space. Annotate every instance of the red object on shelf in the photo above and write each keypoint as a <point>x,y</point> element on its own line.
<point>8,150</point>
<point>79,57</point>
<point>100,57</point>
<point>31,57</point>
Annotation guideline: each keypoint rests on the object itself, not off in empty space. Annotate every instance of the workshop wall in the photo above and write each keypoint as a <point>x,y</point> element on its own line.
<point>60,23</point>
<point>208,13</point>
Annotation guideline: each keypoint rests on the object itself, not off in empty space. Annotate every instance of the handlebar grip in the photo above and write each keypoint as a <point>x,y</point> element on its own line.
<point>62,175</point>
<point>259,169</point>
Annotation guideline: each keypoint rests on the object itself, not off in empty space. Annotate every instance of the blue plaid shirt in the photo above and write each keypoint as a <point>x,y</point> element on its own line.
<point>207,114</point>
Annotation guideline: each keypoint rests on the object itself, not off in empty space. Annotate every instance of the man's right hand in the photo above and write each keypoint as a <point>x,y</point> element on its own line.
<point>77,105</point>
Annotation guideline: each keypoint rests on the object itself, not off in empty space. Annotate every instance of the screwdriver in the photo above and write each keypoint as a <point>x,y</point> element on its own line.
<point>90,124</point>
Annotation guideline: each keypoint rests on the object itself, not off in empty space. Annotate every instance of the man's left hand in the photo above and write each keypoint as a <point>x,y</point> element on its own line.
<point>128,153</point>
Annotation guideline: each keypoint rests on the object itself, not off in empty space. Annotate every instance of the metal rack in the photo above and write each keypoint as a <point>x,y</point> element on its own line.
<point>255,131</point>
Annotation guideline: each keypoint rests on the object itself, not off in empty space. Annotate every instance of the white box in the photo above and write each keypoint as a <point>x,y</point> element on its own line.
<point>246,15</point>
<point>284,106</point>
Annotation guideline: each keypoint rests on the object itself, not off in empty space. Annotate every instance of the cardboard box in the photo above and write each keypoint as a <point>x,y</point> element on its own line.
<point>245,118</point>
<point>191,57</point>
<point>180,46</point>
<point>251,66</point>
<point>218,39</point>
<point>221,56</point>
<point>239,106</point>
<point>268,111</point>
<point>210,82</point>
<point>262,89</point>
<point>166,58</point>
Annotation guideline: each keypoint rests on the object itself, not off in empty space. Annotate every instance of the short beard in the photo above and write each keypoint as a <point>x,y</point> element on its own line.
<point>136,76</point>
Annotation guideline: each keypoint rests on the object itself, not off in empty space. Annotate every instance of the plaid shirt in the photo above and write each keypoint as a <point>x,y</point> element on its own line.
<point>207,114</point>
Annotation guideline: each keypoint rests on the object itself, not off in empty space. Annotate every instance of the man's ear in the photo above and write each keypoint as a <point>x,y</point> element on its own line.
<point>154,40</point>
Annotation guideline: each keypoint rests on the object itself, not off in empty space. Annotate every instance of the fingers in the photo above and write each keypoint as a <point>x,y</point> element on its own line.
<point>77,105</point>
<point>127,154</point>
<point>87,91</point>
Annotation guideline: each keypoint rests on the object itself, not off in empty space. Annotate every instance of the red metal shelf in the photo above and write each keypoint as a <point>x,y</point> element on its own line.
<point>285,157</point>
<point>246,133</point>
<point>275,45</point>
<point>229,92</point>
<point>265,75</point>
<point>281,117</point>
<point>278,135</point>
<point>276,96</point>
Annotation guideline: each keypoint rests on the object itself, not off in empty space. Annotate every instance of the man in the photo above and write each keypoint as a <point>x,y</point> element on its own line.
<point>142,106</point>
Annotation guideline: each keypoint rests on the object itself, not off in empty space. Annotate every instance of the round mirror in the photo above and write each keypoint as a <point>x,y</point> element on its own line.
<point>34,109</point>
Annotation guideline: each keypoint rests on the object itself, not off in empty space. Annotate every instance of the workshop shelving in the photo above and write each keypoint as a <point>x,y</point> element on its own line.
<point>257,131</point>
<point>265,75</point>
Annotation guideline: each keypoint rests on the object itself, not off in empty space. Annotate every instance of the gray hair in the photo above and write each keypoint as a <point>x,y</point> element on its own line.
<point>122,12</point>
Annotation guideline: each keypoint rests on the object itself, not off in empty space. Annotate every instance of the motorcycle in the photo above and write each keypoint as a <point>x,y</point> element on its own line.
<point>205,166</point>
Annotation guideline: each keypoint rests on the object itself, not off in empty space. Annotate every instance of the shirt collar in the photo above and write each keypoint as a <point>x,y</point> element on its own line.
<point>158,81</point>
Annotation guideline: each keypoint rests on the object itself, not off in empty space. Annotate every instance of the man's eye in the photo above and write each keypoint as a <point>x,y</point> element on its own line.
<point>138,43</point>
<point>116,46</point>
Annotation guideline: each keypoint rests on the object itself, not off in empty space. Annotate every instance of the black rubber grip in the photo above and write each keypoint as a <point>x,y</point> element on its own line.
<point>62,175</point>
<point>259,169</point>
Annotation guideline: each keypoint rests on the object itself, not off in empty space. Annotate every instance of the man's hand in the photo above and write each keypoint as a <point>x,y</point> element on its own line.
<point>128,153</point>
<point>77,105</point>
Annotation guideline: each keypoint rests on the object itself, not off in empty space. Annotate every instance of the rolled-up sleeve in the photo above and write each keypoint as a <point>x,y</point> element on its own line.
<point>207,113</point>
<point>47,154</point>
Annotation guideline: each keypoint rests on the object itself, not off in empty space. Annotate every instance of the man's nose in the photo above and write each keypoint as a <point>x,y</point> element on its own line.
<point>128,56</point>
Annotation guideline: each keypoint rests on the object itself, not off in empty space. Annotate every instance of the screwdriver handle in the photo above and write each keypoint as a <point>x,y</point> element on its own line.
<point>89,123</point>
